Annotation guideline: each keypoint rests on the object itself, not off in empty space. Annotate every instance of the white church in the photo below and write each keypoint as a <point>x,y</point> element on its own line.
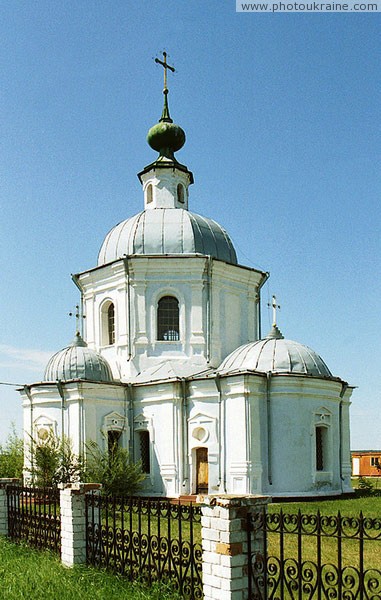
<point>172,364</point>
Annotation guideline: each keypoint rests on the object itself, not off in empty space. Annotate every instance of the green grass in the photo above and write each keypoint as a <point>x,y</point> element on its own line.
<point>349,507</point>
<point>27,574</point>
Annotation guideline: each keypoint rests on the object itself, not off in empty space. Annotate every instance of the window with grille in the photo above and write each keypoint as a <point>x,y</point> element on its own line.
<point>168,319</point>
<point>111,324</point>
<point>320,450</point>
<point>374,461</point>
<point>144,448</point>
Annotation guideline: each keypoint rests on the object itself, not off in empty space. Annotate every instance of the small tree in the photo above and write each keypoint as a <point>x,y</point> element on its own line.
<point>12,455</point>
<point>113,469</point>
<point>54,461</point>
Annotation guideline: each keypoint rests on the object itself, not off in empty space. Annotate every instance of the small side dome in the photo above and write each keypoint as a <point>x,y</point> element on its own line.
<point>276,355</point>
<point>77,361</point>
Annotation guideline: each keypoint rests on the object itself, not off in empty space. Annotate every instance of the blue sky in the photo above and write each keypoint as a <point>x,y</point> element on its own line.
<point>282,116</point>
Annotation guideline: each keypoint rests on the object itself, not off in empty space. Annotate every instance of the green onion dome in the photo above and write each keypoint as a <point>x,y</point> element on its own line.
<point>166,138</point>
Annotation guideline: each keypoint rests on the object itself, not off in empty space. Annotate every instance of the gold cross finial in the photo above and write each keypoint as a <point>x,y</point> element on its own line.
<point>166,66</point>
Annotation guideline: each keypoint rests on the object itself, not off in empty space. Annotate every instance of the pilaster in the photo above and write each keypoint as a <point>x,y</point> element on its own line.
<point>225,544</point>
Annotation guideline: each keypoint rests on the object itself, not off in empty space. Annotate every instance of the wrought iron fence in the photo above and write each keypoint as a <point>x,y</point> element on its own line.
<point>147,539</point>
<point>33,516</point>
<point>315,557</point>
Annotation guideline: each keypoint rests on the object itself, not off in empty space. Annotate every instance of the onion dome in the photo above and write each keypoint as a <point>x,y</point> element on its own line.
<point>276,355</point>
<point>77,361</point>
<point>167,231</point>
<point>166,138</point>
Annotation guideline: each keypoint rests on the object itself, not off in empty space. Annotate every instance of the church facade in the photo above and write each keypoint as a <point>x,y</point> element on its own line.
<point>174,366</point>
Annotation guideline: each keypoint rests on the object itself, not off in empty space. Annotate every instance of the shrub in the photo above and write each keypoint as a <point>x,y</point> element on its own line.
<point>118,476</point>
<point>54,462</point>
<point>365,485</point>
<point>12,455</point>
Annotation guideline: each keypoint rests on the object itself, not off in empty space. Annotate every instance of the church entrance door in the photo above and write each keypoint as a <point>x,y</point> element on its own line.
<point>202,471</point>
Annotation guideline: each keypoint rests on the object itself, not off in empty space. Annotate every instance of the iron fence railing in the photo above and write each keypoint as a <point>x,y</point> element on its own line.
<point>34,516</point>
<point>147,539</point>
<point>315,557</point>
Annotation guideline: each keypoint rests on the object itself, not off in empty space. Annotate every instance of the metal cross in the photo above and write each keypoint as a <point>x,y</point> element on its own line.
<point>78,318</point>
<point>166,66</point>
<point>275,306</point>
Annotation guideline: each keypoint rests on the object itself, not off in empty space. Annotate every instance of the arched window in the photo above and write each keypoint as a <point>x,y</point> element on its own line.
<point>107,324</point>
<point>168,319</point>
<point>180,193</point>
<point>111,324</point>
<point>149,193</point>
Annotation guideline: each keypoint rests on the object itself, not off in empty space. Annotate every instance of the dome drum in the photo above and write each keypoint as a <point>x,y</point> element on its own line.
<point>167,189</point>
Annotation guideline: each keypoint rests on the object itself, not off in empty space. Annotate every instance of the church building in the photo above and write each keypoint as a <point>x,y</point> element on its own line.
<point>172,364</point>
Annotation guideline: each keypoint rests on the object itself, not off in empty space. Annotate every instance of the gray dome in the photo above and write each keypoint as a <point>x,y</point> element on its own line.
<point>277,355</point>
<point>77,361</point>
<point>167,231</point>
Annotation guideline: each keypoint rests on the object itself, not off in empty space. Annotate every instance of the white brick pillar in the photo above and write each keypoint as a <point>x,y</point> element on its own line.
<point>225,545</point>
<point>4,503</point>
<point>73,522</point>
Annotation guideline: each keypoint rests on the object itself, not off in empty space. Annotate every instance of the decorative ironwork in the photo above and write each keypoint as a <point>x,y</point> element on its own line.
<point>148,539</point>
<point>315,557</point>
<point>33,516</point>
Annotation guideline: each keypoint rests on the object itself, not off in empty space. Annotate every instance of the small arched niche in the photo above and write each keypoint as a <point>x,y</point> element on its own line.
<point>180,193</point>
<point>149,193</point>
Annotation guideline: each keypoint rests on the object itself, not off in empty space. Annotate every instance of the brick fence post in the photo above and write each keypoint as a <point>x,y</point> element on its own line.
<point>4,503</point>
<point>225,545</point>
<point>73,522</point>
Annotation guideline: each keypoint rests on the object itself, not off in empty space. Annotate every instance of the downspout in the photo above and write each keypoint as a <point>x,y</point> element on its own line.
<point>75,280</point>
<point>221,446</point>
<point>127,272</point>
<point>247,428</point>
<point>131,451</point>
<point>31,454</point>
<point>265,278</point>
<point>269,427</point>
<point>61,393</point>
<point>184,412</point>
<point>344,387</point>
<point>125,415</point>
<point>208,308</point>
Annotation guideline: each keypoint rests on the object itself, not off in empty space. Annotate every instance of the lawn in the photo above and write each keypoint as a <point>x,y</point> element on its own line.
<point>27,574</point>
<point>349,507</point>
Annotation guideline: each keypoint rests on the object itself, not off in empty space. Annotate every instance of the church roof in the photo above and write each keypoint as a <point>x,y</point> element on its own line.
<point>167,231</point>
<point>77,361</point>
<point>171,369</point>
<point>276,355</point>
